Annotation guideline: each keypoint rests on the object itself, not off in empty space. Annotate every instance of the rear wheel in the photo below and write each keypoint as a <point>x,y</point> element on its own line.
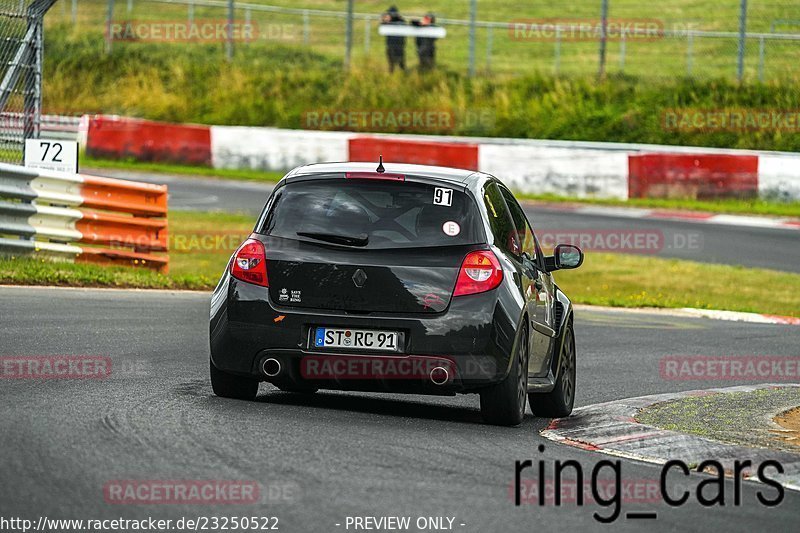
<point>504,404</point>
<point>229,386</point>
<point>558,402</point>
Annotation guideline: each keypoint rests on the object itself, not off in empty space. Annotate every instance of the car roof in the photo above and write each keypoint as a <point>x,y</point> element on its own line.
<point>455,175</point>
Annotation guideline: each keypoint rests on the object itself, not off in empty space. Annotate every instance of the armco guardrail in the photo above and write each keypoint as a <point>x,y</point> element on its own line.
<point>43,212</point>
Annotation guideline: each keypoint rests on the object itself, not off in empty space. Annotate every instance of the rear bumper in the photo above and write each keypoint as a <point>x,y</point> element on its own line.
<point>406,374</point>
<point>472,339</point>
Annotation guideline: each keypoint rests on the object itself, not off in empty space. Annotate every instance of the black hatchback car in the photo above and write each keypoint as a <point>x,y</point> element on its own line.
<point>407,278</point>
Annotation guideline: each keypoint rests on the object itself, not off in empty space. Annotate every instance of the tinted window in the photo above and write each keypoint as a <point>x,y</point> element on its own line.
<point>524,232</point>
<point>374,214</point>
<point>500,220</point>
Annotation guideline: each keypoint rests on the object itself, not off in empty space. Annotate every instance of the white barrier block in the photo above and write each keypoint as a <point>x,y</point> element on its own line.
<point>275,149</point>
<point>779,177</point>
<point>553,170</point>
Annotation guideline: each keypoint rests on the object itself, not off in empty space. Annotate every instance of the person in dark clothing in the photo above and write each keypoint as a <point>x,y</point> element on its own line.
<point>395,46</point>
<point>426,46</point>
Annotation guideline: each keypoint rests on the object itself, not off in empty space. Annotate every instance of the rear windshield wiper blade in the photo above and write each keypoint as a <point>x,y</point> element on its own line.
<point>360,240</point>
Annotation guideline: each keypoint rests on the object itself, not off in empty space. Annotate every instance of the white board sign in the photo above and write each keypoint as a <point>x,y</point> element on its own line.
<point>398,30</point>
<point>52,154</point>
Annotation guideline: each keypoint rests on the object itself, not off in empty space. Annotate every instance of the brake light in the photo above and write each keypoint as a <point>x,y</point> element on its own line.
<point>480,272</point>
<point>374,176</point>
<point>250,263</point>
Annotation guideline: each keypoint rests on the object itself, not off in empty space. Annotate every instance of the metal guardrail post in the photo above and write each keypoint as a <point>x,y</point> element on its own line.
<point>32,101</point>
<point>489,41</point>
<point>109,17</point>
<point>367,31</point>
<point>601,69</point>
<point>557,51</point>
<point>229,33</point>
<point>306,27</point>
<point>348,35</point>
<point>473,9</point>
<point>761,52</point>
<point>742,39</point>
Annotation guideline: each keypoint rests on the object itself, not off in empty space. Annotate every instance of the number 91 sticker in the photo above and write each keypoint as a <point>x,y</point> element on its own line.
<point>442,196</point>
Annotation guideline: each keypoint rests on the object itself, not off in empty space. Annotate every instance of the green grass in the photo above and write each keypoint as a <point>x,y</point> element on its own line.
<point>654,58</point>
<point>618,280</point>
<point>732,417</point>
<point>201,244</point>
<point>26,271</point>
<point>187,170</point>
<point>753,206</point>
<point>276,84</point>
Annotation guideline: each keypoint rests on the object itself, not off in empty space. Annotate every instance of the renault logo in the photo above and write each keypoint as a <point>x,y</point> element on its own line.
<point>359,278</point>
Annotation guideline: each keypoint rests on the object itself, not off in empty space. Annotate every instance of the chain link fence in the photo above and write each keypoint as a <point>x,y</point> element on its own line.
<point>731,39</point>
<point>20,74</point>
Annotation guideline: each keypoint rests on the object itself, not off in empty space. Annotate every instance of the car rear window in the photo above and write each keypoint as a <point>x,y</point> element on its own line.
<point>373,214</point>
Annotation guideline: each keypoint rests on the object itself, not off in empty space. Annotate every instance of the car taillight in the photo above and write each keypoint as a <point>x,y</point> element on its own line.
<point>480,272</point>
<point>250,263</point>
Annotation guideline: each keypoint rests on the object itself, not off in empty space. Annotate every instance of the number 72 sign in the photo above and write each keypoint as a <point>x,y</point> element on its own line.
<point>52,154</point>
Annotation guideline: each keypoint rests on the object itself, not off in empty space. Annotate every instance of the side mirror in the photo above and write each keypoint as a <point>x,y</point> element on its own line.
<point>568,256</point>
<point>565,257</point>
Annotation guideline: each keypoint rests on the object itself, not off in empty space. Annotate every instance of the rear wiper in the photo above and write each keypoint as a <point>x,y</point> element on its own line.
<point>360,240</point>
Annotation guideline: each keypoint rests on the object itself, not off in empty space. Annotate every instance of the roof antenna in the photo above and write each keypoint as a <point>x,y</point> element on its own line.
<point>380,169</point>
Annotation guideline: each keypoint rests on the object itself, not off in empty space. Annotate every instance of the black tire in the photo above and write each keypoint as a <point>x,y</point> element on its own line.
<point>558,402</point>
<point>229,386</point>
<point>504,404</point>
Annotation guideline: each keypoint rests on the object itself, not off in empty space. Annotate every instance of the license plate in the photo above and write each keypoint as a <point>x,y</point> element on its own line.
<point>358,339</point>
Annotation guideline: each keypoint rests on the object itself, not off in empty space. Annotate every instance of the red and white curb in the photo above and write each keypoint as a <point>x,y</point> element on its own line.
<point>676,215</point>
<point>611,428</point>
<point>741,317</point>
<point>570,168</point>
<point>691,312</point>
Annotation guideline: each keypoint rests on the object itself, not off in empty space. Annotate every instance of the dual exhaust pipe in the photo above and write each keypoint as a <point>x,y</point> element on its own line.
<point>439,375</point>
<point>271,368</point>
